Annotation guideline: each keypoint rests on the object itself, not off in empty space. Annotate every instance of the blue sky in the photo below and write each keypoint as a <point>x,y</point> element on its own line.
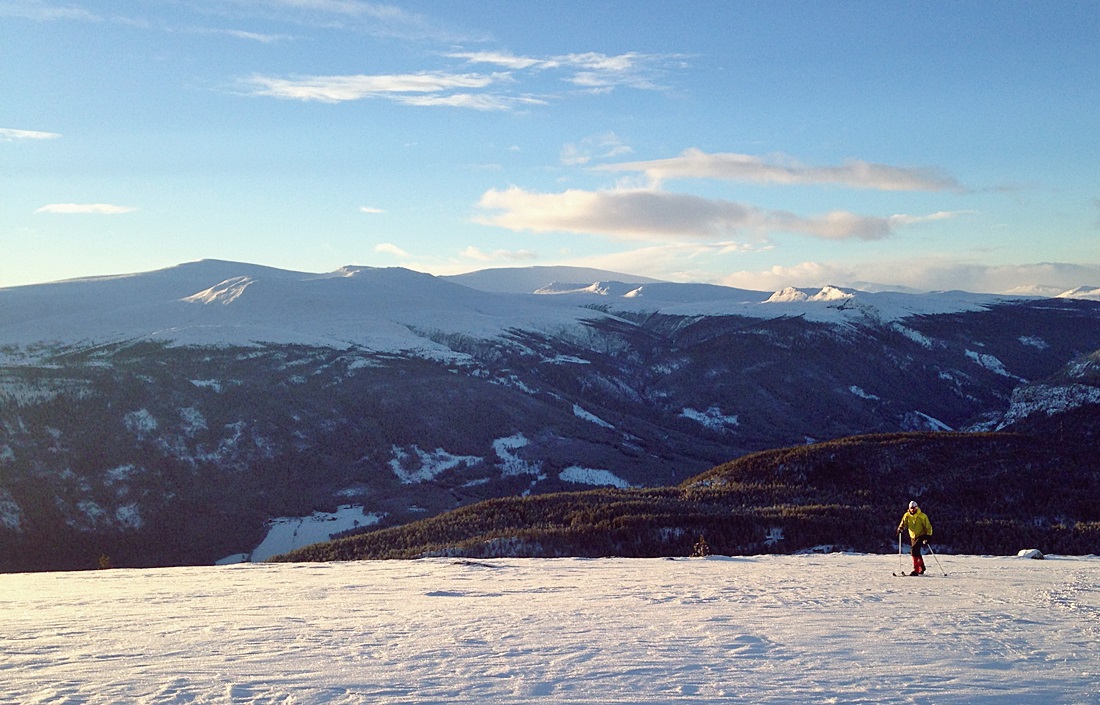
<point>934,145</point>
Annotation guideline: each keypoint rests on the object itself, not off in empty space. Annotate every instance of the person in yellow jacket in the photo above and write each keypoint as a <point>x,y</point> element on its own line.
<point>920,530</point>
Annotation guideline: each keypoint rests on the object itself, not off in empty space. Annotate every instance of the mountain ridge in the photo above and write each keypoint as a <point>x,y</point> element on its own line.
<point>156,430</point>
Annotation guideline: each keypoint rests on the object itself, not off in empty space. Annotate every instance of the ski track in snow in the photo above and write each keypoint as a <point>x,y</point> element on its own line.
<point>835,628</point>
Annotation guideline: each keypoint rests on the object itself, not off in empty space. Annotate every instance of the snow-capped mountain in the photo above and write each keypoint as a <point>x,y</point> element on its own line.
<point>1091,293</point>
<point>169,416</point>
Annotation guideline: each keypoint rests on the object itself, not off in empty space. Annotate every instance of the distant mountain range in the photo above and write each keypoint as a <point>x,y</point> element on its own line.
<point>169,417</point>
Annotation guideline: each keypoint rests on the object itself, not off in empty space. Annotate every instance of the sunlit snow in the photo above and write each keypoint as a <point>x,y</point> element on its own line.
<point>393,310</point>
<point>831,628</point>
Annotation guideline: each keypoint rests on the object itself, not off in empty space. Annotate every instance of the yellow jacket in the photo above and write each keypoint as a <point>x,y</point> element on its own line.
<point>917,524</point>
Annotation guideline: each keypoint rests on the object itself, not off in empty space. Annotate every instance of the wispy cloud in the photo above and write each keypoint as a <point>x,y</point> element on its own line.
<point>430,88</point>
<point>588,70</point>
<point>388,248</point>
<point>473,101</point>
<point>45,11</point>
<point>646,214</point>
<point>85,208</point>
<point>377,19</point>
<point>371,210</point>
<point>502,90</point>
<point>605,146</point>
<point>696,164</point>
<point>263,38</point>
<point>10,135</point>
<point>675,261</point>
<point>481,256</point>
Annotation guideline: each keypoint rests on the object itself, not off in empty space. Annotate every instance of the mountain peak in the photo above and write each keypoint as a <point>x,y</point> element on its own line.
<point>1091,293</point>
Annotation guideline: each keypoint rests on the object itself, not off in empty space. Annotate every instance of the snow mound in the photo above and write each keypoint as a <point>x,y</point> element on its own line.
<point>793,295</point>
<point>599,288</point>
<point>788,295</point>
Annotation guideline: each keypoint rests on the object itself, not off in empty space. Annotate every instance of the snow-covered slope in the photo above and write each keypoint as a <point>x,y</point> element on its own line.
<point>225,303</point>
<point>769,629</point>
<point>1090,293</point>
<point>396,310</point>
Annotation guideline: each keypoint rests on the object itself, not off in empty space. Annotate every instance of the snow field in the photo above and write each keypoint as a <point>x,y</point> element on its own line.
<point>832,628</point>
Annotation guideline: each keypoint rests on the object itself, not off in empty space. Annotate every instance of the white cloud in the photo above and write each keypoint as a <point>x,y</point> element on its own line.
<point>85,208</point>
<point>8,134</point>
<point>502,59</point>
<point>371,210</point>
<point>476,91</point>
<point>478,255</point>
<point>926,274</point>
<point>646,214</point>
<point>388,248</point>
<point>931,217</point>
<point>336,89</point>
<point>696,164</point>
<point>805,274</point>
<point>679,261</point>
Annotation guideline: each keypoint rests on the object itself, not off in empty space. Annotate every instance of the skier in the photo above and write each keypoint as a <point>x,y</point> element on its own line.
<point>920,530</point>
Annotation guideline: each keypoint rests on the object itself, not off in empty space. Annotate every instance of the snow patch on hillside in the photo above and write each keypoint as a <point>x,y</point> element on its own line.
<point>1034,342</point>
<point>128,516</point>
<point>211,384</point>
<point>991,363</point>
<point>580,413</point>
<point>193,421</point>
<point>141,423</point>
<point>224,293</point>
<point>589,476</point>
<point>510,463</point>
<point>918,338</point>
<point>713,418</point>
<point>414,466</point>
<point>285,534</point>
<point>858,391</point>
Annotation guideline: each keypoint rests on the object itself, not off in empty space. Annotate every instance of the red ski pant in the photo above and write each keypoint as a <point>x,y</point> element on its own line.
<point>918,558</point>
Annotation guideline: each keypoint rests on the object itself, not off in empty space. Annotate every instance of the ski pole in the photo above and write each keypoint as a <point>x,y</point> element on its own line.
<point>936,557</point>
<point>901,561</point>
